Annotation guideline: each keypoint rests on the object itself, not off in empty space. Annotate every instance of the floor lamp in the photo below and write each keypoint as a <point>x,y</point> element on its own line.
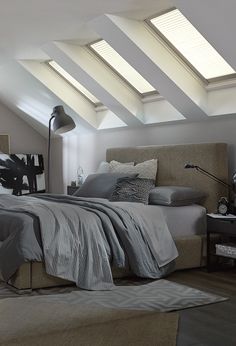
<point>61,123</point>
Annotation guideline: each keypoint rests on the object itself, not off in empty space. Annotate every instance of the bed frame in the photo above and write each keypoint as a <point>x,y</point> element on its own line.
<point>211,156</point>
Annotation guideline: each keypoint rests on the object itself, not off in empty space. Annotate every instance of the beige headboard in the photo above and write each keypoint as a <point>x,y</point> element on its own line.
<point>4,144</point>
<point>213,157</point>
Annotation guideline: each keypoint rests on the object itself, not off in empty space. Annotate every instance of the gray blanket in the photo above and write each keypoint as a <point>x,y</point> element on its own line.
<point>81,238</point>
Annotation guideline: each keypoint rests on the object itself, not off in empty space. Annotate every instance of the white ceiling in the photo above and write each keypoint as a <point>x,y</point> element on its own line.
<point>25,26</point>
<point>55,29</point>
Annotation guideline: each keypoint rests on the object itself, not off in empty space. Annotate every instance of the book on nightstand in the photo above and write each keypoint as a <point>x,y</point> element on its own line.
<point>226,249</point>
<point>220,216</point>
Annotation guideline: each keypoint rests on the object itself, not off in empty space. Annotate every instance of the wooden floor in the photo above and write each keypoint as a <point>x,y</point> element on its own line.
<point>209,325</point>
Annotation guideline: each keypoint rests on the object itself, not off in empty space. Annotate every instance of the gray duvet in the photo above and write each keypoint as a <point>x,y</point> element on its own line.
<point>79,239</point>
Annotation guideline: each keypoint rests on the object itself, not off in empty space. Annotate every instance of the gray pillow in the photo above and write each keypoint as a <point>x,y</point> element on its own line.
<point>175,196</point>
<point>132,190</point>
<point>100,185</point>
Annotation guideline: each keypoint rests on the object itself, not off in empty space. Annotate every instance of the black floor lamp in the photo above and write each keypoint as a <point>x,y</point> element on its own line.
<point>62,123</point>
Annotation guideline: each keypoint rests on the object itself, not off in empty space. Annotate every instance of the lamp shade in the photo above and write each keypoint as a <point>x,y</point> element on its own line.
<point>62,122</point>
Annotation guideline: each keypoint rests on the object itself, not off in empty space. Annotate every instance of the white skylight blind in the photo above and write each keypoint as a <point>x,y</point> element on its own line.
<point>191,44</point>
<point>121,66</point>
<point>74,82</point>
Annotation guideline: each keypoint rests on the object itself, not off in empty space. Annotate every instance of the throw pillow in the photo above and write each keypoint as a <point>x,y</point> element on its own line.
<point>100,185</point>
<point>132,190</point>
<point>146,169</point>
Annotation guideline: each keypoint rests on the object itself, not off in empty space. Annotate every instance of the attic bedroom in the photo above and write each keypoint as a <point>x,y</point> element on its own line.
<point>117,173</point>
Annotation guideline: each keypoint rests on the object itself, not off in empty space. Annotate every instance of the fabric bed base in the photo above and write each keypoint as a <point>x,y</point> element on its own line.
<point>191,250</point>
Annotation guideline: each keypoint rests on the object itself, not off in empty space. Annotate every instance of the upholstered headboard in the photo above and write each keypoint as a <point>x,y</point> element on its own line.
<point>213,157</point>
<point>4,144</point>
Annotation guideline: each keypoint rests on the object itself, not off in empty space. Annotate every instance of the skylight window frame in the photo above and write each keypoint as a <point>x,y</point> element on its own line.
<point>184,60</point>
<point>95,104</point>
<point>141,95</point>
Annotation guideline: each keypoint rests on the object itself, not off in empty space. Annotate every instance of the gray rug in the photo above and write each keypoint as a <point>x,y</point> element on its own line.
<point>161,295</point>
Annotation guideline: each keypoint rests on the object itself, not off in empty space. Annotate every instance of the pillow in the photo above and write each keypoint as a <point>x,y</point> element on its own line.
<point>146,169</point>
<point>100,185</point>
<point>132,190</point>
<point>105,167</point>
<point>175,196</point>
<point>114,164</point>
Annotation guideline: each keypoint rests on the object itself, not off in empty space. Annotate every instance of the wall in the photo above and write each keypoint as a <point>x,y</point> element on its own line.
<point>78,150</point>
<point>90,149</point>
<point>23,138</point>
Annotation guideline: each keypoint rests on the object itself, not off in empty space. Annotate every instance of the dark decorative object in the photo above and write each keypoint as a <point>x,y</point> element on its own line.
<point>62,123</point>
<point>72,189</point>
<point>21,174</point>
<point>223,206</point>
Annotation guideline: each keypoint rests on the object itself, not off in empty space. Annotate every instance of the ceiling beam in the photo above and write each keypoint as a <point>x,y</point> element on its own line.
<point>154,61</point>
<point>84,109</point>
<point>94,75</point>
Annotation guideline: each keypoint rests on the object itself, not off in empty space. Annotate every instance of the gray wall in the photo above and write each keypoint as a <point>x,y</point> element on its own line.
<point>23,138</point>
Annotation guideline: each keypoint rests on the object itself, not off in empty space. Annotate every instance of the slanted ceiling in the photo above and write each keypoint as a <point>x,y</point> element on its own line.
<point>31,87</point>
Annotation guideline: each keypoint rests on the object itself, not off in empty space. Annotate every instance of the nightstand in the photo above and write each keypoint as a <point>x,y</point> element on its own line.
<point>71,189</point>
<point>221,239</point>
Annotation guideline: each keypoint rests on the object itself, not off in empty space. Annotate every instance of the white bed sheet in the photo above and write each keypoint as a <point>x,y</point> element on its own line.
<point>182,221</point>
<point>185,221</point>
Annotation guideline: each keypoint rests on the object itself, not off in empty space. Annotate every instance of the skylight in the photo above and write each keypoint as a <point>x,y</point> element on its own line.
<point>122,67</point>
<point>193,47</point>
<point>74,82</point>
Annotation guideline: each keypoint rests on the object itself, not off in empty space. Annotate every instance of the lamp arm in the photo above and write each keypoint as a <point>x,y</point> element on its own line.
<point>212,176</point>
<point>49,149</point>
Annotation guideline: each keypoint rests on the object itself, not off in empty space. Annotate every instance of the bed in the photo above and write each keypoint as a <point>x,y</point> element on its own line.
<point>189,235</point>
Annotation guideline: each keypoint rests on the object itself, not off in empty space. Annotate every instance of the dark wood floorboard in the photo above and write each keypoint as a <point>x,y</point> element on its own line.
<point>209,325</point>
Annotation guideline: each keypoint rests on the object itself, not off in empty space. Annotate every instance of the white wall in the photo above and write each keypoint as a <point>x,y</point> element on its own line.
<point>88,150</point>
<point>78,150</point>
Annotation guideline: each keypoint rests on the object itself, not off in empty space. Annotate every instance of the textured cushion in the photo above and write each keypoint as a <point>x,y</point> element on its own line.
<point>175,196</point>
<point>132,190</point>
<point>146,169</point>
<point>105,167</point>
<point>100,185</point>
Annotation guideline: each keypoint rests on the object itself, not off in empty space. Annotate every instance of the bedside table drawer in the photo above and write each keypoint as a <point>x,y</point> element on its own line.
<point>221,226</point>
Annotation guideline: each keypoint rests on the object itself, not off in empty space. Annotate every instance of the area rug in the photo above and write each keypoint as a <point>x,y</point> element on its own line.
<point>28,321</point>
<point>160,295</point>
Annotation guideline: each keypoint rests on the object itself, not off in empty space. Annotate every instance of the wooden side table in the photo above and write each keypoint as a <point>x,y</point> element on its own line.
<point>225,229</point>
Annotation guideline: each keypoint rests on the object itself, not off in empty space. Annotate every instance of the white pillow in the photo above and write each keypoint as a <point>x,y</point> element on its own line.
<point>146,169</point>
<point>114,164</point>
<point>106,167</point>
